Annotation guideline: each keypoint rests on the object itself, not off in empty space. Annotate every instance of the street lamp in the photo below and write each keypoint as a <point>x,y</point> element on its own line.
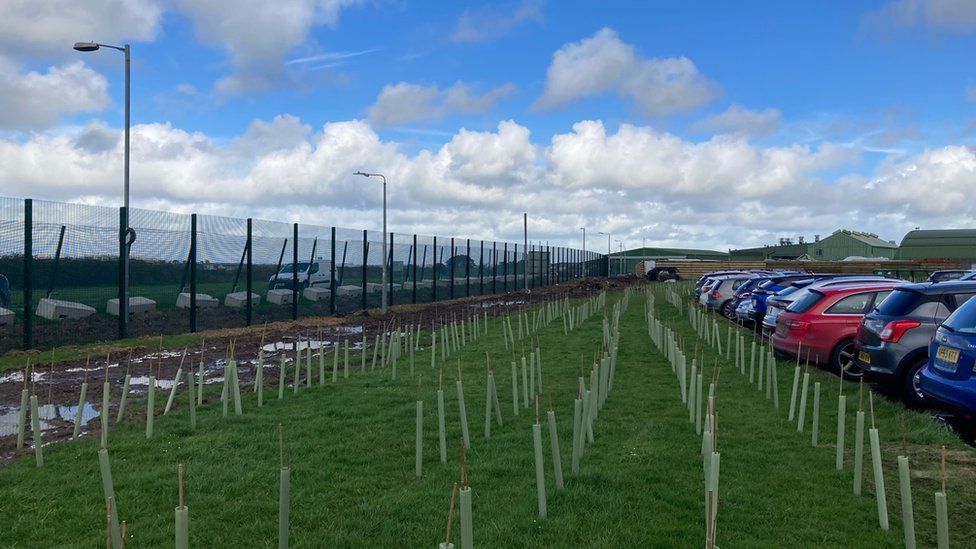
<point>126,237</point>
<point>608,252</point>
<point>584,249</point>
<point>383,177</point>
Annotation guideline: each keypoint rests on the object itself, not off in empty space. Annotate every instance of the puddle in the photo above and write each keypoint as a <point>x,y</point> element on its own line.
<point>303,345</point>
<point>51,415</point>
<point>18,377</point>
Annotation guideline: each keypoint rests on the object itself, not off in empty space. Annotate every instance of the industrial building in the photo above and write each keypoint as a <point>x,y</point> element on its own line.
<point>949,244</point>
<point>840,245</point>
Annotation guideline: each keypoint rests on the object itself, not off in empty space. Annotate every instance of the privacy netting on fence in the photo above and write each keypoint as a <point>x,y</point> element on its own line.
<point>61,271</point>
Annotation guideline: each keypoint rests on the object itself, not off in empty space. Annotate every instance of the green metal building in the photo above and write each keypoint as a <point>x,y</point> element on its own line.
<point>776,252</point>
<point>844,243</point>
<point>952,244</point>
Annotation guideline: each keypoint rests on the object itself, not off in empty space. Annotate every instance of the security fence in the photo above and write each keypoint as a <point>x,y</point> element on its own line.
<point>61,271</point>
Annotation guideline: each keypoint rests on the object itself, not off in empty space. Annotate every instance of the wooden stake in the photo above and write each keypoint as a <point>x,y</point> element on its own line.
<point>450,515</point>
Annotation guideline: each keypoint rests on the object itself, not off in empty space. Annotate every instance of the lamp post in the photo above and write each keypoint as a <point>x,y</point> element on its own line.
<point>608,252</point>
<point>584,250</point>
<point>126,238</point>
<point>383,269</point>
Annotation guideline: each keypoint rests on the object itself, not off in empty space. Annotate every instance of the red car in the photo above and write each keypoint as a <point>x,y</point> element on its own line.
<point>822,324</point>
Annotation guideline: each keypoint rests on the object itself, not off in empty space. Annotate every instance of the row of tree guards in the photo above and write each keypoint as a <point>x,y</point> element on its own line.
<point>396,344</point>
<point>765,379</point>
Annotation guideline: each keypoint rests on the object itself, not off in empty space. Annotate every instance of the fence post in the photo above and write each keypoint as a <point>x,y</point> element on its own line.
<point>389,275</point>
<point>434,264</point>
<point>28,267</point>
<point>467,270</point>
<point>494,267</point>
<point>193,272</point>
<point>332,277</point>
<point>505,268</point>
<point>365,262</point>
<point>249,282</point>
<point>294,273</point>
<point>414,299</point>
<point>481,270</point>
<point>452,260</point>
<point>123,318</point>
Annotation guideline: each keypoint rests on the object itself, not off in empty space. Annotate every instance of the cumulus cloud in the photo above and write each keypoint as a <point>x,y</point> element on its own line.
<point>952,15</point>
<point>484,25</point>
<point>30,28</point>
<point>740,120</point>
<point>603,64</point>
<point>257,35</point>
<point>635,182</point>
<point>406,102</point>
<point>36,100</point>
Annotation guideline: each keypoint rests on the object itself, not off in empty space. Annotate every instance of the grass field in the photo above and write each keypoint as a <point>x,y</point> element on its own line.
<point>351,450</point>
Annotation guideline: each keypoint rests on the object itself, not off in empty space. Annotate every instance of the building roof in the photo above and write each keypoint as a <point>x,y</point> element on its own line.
<point>678,253</point>
<point>929,237</point>
<point>870,239</point>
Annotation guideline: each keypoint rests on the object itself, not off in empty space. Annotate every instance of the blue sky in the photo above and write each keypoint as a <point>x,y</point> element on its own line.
<point>776,103</point>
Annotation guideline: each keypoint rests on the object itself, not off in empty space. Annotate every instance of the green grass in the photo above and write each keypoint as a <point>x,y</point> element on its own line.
<point>351,450</point>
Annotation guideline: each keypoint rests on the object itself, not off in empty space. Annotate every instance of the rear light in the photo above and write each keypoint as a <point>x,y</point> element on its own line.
<point>893,331</point>
<point>716,294</point>
<point>706,289</point>
<point>745,295</point>
<point>799,325</point>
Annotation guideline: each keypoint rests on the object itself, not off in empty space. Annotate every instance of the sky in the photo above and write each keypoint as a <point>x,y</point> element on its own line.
<point>706,124</point>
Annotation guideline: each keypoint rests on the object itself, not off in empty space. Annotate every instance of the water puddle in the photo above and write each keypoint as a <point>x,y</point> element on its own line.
<point>52,416</point>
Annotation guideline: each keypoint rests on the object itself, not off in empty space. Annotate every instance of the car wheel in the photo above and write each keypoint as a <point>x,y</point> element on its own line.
<point>728,311</point>
<point>911,390</point>
<point>842,360</point>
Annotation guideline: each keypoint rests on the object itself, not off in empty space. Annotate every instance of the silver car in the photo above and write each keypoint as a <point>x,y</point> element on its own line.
<point>722,290</point>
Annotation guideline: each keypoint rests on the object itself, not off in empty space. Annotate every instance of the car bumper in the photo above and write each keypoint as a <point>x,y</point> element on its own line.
<point>882,361</point>
<point>957,395</point>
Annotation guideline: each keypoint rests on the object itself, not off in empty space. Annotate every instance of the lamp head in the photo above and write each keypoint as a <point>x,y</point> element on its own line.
<point>86,46</point>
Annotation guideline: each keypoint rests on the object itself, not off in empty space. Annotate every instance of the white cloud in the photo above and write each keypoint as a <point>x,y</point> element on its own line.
<point>604,64</point>
<point>51,27</point>
<point>406,102</point>
<point>635,182</point>
<point>36,100</point>
<point>953,15</point>
<point>489,24</point>
<point>740,120</point>
<point>258,35</point>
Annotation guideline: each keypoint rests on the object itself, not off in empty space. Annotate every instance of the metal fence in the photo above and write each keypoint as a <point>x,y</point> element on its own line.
<point>61,267</point>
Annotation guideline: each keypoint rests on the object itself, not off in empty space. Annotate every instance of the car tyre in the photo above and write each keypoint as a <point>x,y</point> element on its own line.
<point>842,360</point>
<point>911,391</point>
<point>728,311</point>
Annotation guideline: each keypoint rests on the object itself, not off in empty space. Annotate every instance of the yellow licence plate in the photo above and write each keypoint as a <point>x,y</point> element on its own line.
<point>947,354</point>
<point>864,357</point>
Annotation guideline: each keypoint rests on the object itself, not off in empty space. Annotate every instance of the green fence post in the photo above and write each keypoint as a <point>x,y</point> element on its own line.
<point>193,272</point>
<point>365,261</point>
<point>28,267</point>
<point>249,283</point>
<point>332,277</point>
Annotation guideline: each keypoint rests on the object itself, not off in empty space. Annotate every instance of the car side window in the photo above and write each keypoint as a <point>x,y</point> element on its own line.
<point>959,299</point>
<point>931,309</point>
<point>313,269</point>
<point>851,305</point>
<point>736,284</point>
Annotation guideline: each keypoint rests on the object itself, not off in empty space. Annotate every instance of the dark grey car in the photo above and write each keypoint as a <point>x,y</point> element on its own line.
<point>892,342</point>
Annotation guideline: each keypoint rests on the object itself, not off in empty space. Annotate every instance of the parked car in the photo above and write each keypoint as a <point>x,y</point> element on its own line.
<point>779,302</point>
<point>751,298</point>
<point>315,273</point>
<point>718,295</point>
<point>948,274</point>
<point>822,323</point>
<point>700,283</point>
<point>947,380</point>
<point>893,341</point>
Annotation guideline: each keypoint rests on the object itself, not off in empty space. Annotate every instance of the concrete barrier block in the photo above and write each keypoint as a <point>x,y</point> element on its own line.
<point>238,300</point>
<point>55,309</point>
<point>280,297</point>
<point>137,305</point>
<point>204,301</point>
<point>316,293</point>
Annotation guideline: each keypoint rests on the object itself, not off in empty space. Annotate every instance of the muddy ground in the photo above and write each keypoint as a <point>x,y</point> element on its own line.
<point>58,385</point>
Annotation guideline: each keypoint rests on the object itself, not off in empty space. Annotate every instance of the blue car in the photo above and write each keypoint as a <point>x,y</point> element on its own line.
<point>750,300</point>
<point>948,379</point>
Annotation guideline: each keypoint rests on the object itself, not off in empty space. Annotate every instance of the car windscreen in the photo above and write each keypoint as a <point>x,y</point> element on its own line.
<point>803,303</point>
<point>963,319</point>
<point>899,303</point>
<point>302,266</point>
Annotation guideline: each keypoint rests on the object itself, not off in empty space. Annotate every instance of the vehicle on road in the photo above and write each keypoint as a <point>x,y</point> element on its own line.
<point>893,341</point>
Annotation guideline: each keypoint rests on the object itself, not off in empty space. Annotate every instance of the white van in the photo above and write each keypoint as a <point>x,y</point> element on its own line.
<point>316,273</point>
